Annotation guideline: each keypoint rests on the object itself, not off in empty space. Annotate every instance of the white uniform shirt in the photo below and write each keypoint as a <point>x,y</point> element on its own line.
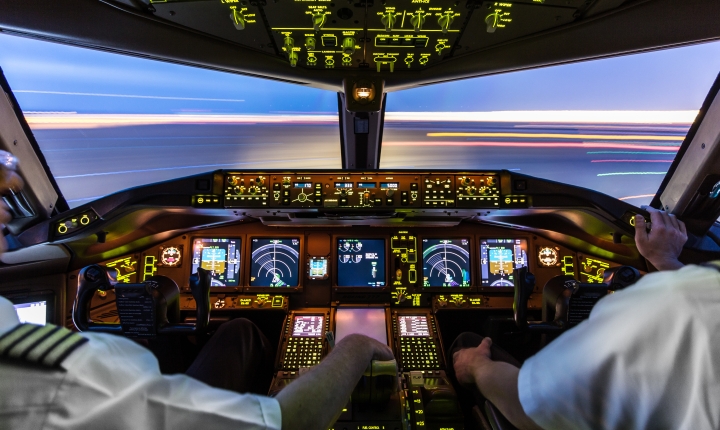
<point>647,358</point>
<point>113,383</point>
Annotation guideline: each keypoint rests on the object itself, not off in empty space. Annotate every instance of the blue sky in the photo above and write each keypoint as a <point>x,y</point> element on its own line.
<point>675,79</point>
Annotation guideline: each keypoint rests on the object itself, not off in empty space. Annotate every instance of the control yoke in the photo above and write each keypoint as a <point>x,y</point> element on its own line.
<point>145,309</point>
<point>566,302</point>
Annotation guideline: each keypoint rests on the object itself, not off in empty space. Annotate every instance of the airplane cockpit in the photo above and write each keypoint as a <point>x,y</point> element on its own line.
<point>411,257</point>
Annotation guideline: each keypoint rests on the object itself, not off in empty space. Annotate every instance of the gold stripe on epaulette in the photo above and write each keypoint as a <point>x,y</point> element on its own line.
<point>48,345</point>
<point>715,264</point>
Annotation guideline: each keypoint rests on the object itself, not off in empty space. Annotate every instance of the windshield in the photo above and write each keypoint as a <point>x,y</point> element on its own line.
<point>612,125</point>
<point>106,122</point>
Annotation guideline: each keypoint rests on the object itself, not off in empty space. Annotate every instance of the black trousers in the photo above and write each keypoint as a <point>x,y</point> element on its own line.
<point>238,357</point>
<point>470,396</point>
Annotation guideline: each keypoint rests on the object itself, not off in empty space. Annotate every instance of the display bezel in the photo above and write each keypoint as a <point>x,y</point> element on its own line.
<point>335,264</point>
<point>479,241</point>
<point>448,290</point>
<point>302,264</point>
<point>234,288</point>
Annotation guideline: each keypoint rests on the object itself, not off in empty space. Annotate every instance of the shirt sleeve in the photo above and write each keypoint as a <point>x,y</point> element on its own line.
<point>114,383</point>
<point>612,370</point>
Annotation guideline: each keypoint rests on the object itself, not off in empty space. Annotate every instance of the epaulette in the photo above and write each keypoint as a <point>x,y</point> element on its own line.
<point>46,345</point>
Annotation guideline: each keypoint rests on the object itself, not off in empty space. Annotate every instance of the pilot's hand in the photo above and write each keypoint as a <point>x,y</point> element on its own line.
<point>664,242</point>
<point>381,352</point>
<point>9,181</point>
<point>467,362</point>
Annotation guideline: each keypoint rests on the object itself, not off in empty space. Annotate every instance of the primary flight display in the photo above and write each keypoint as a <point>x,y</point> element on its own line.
<point>498,258</point>
<point>219,256</point>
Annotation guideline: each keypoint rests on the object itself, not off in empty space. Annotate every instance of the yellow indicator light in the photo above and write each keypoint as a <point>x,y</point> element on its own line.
<point>560,136</point>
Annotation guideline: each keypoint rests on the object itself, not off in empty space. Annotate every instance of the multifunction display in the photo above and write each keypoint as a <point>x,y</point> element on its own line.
<point>413,326</point>
<point>219,256</point>
<point>275,262</point>
<point>446,262</point>
<point>498,258</point>
<point>361,262</point>
<point>308,326</point>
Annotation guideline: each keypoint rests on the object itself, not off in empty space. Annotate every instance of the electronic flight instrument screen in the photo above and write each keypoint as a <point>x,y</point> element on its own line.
<point>219,256</point>
<point>446,263</point>
<point>275,262</point>
<point>308,326</point>
<point>498,258</point>
<point>413,326</point>
<point>361,262</point>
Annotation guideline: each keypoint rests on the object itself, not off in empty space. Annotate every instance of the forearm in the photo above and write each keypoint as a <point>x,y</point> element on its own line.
<point>314,399</point>
<point>498,382</point>
<point>667,264</point>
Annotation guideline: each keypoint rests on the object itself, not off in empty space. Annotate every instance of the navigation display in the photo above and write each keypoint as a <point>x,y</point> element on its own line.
<point>32,313</point>
<point>498,258</point>
<point>219,256</point>
<point>308,326</point>
<point>275,262</point>
<point>413,326</point>
<point>446,263</point>
<point>361,263</point>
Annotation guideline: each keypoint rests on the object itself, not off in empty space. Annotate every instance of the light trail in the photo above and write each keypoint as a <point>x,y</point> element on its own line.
<point>683,117</point>
<point>631,173</point>
<point>534,145</point>
<point>560,136</point>
<point>642,196</point>
<point>128,96</point>
<point>632,152</point>
<point>631,161</point>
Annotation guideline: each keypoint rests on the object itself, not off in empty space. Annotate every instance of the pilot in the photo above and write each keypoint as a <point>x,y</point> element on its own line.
<point>647,358</point>
<point>51,377</point>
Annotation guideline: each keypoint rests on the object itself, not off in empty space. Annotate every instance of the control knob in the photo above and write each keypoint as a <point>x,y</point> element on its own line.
<point>232,180</point>
<point>492,22</point>
<point>484,191</point>
<point>238,19</point>
<point>318,20</point>
<point>465,181</point>
<point>286,182</point>
<point>343,193</point>
<point>445,20</point>
<point>491,181</point>
<point>442,302</point>
<point>254,190</point>
<point>260,180</point>
<point>390,193</point>
<point>388,20</point>
<point>348,45</point>
<point>302,197</point>
<point>470,190</point>
<point>240,190</point>
<point>418,20</point>
<point>310,43</point>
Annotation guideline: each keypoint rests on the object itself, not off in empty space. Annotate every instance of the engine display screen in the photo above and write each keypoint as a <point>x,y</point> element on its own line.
<point>275,262</point>
<point>308,326</point>
<point>32,313</point>
<point>498,258</point>
<point>219,256</point>
<point>367,321</point>
<point>413,326</point>
<point>446,263</point>
<point>361,263</point>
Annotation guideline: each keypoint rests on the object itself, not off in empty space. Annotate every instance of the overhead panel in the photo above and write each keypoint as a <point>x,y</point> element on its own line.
<point>379,35</point>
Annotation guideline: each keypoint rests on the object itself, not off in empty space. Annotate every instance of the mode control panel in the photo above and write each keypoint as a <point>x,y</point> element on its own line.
<point>246,190</point>
<point>379,191</point>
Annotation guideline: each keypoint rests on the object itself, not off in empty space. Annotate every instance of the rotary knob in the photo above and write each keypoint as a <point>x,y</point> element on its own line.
<point>388,20</point>
<point>254,190</point>
<point>343,193</point>
<point>286,182</point>
<point>390,193</point>
<point>465,181</point>
<point>471,190</point>
<point>445,20</point>
<point>366,196</point>
<point>442,302</point>
<point>232,180</point>
<point>302,197</point>
<point>318,20</point>
<point>491,181</point>
<point>484,190</point>
<point>240,190</point>
<point>348,45</point>
<point>293,58</point>
<point>418,20</point>
<point>310,43</point>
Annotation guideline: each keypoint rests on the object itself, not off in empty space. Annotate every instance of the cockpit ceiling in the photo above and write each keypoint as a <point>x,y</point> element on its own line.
<point>405,42</point>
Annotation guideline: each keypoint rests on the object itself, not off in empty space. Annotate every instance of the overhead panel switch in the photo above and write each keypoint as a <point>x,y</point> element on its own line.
<point>318,19</point>
<point>388,20</point>
<point>417,20</point>
<point>445,20</point>
<point>348,45</point>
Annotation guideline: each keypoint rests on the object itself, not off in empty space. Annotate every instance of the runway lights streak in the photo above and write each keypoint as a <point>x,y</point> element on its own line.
<point>642,196</point>
<point>562,136</point>
<point>631,173</point>
<point>631,161</point>
<point>536,145</point>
